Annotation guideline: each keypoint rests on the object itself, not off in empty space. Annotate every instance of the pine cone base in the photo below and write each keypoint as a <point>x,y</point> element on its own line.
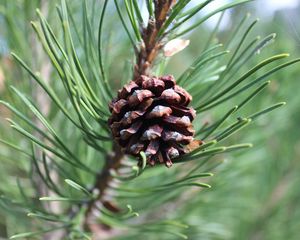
<point>152,115</point>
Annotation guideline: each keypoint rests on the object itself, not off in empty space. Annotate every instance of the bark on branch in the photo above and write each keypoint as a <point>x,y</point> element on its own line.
<point>145,57</point>
<point>151,44</point>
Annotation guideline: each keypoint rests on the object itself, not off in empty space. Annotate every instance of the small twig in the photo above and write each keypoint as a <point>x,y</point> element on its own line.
<point>151,44</point>
<point>102,184</point>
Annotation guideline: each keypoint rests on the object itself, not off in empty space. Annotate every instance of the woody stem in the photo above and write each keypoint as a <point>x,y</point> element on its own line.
<point>151,44</point>
<point>145,57</point>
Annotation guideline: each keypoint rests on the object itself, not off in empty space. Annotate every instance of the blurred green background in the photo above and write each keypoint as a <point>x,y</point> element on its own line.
<point>255,193</point>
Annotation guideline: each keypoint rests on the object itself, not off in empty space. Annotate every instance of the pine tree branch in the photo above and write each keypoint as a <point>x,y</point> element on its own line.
<point>150,46</point>
<point>151,43</point>
<point>151,37</point>
<point>102,183</point>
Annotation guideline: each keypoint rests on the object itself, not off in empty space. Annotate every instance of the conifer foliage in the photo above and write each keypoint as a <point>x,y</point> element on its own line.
<point>91,156</point>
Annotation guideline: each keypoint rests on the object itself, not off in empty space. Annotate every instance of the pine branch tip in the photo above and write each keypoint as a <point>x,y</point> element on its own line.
<point>206,185</point>
<point>249,145</point>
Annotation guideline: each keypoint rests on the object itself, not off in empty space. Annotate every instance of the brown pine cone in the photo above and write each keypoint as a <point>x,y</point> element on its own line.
<point>151,115</point>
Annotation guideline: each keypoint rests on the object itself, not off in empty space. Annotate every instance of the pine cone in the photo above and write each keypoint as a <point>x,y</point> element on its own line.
<point>151,115</point>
